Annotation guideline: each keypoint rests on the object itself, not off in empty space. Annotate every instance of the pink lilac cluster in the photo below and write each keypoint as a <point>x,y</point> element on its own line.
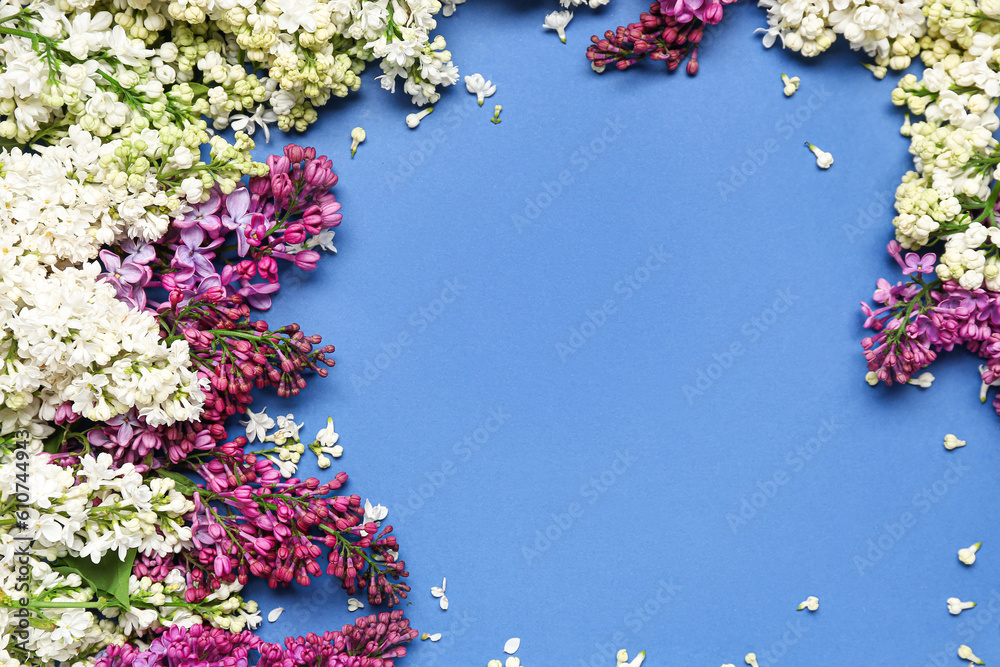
<point>686,11</point>
<point>248,520</point>
<point>371,641</point>
<point>912,322</point>
<point>670,31</point>
<point>201,281</point>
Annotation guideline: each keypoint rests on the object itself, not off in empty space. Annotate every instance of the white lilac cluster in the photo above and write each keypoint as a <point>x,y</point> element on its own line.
<point>66,337</point>
<point>886,30</point>
<point>97,65</point>
<point>93,508</point>
<point>953,147</point>
<point>95,511</point>
<point>593,4</point>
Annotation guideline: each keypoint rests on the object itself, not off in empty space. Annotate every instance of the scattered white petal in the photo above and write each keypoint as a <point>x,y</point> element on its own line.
<point>353,604</point>
<point>968,555</point>
<point>823,159</point>
<point>924,380</point>
<point>751,659</point>
<point>965,653</point>
<point>558,21</point>
<point>791,84</point>
<point>480,87</point>
<point>274,614</point>
<point>435,637</point>
<point>956,606</point>
<point>512,645</point>
<point>512,661</point>
<point>811,603</point>
<point>413,119</point>
<point>358,136</point>
<point>636,661</point>
<point>951,442</point>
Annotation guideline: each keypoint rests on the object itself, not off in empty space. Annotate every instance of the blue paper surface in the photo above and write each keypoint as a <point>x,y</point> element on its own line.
<point>602,363</point>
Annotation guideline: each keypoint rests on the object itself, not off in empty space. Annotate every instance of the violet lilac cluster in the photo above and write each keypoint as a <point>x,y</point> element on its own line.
<point>671,31</point>
<point>249,521</point>
<point>371,641</point>
<point>914,321</point>
<point>201,280</point>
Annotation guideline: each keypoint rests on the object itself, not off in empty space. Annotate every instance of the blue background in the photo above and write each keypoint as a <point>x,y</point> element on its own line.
<point>652,556</point>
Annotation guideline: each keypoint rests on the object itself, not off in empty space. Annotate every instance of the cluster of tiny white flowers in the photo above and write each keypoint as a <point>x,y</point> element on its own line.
<point>283,432</point>
<point>97,66</point>
<point>399,34</point>
<point>887,30</point>
<point>93,508</point>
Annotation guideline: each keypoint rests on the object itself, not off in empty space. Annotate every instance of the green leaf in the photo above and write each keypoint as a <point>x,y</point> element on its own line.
<point>184,485</point>
<point>54,442</point>
<point>199,89</point>
<point>109,577</point>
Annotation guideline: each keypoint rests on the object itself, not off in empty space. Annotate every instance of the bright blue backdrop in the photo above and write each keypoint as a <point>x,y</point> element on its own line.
<point>557,472</point>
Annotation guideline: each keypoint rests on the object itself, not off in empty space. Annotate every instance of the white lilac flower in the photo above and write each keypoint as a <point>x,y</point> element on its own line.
<point>924,380</point>
<point>257,424</point>
<point>956,606</point>
<point>623,661</point>
<point>965,653</point>
<point>558,21</point>
<point>413,119</point>
<point>374,514</point>
<point>968,554</point>
<point>448,6</point>
<point>358,135</point>
<point>353,604</point>
<point>811,603</point>
<point>480,87</point>
<point>951,442</point>
<point>261,118</point>
<point>823,159</point>
<point>791,84</point>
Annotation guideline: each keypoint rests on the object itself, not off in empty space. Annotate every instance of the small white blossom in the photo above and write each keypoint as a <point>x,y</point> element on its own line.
<point>413,119</point>
<point>968,554</point>
<point>956,606</point>
<point>951,442</point>
<point>965,653</point>
<point>791,84</point>
<point>558,21</point>
<point>823,159</point>
<point>811,603</point>
<point>480,87</point>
